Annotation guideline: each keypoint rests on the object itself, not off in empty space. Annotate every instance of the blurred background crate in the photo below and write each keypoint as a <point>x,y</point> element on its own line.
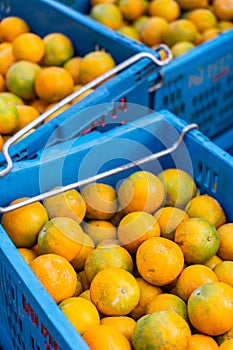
<point>30,319</point>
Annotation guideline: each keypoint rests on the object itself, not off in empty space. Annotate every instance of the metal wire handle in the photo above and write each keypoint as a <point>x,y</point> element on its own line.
<point>93,83</point>
<point>102,175</point>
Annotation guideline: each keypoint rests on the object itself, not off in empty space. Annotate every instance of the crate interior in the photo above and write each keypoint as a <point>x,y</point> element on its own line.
<point>28,307</point>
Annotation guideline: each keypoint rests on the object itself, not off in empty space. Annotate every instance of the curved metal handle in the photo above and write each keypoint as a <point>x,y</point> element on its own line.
<point>103,175</point>
<point>71,97</point>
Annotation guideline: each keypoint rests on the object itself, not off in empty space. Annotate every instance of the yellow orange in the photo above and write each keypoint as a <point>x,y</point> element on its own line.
<point>169,9</point>
<point>69,204</point>
<point>105,336</point>
<point>56,274</point>
<point>202,342</point>
<point>207,207</point>
<point>100,230</point>
<point>24,224</point>
<point>153,30</point>
<point>107,14</point>
<point>81,312</point>
<point>27,114</point>
<point>29,47</point>
<point>225,233</point>
<point>198,240</point>
<point>159,260</point>
<point>94,64</point>
<point>210,308</point>
<point>118,297</point>
<point>58,49</point>
<point>13,26</point>
<point>52,84</point>
<point>135,228</point>
<point>62,236</point>
<point>162,330</point>
<point>141,191</point>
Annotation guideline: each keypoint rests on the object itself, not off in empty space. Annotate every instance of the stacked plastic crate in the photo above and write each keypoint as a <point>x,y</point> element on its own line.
<point>145,104</point>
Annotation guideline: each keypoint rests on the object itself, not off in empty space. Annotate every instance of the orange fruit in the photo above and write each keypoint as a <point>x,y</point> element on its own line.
<point>54,114</point>
<point>223,9</point>
<point>192,277</point>
<point>224,25</point>
<point>81,312</point>
<point>94,2</point>
<point>39,104</point>
<point>161,330</point>
<point>198,240</point>
<point>210,308</point>
<point>213,261</point>
<point>227,345</point>
<point>168,219</point>
<point>135,228</point>
<point>107,256</point>
<point>129,31</point>
<point>87,247</point>
<point>85,294</point>
<point>107,14</point>
<point>210,33</point>
<point>1,142</point>
<point>207,207</point>
<point>114,291</point>
<point>72,65</point>
<point>20,79</point>
<point>52,84</point>
<point>62,236</point>
<point>70,204</point>
<point>100,230</point>
<point>29,47</point>
<point>147,293</point>
<point>181,29</point>
<point>203,18</point>
<point>56,274</point>
<point>202,342</point>
<point>13,26</point>
<point>159,260</point>
<point>225,234</point>
<point>168,302</point>
<point>131,9</point>
<point>101,201</point>
<point>123,324</point>
<point>106,337</point>
<point>179,186</point>
<point>58,49</point>
<point>27,254</point>
<point>224,272</point>
<point>169,9</point>
<point>152,31</point>
<point>7,58</point>
<point>139,22</point>
<point>11,99</point>
<point>225,336</point>
<point>94,64</point>
<point>24,224</point>
<point>192,4</point>
<point>9,117</point>
<point>141,191</point>
<point>181,48</point>
<point>26,115</point>
<point>2,83</point>
<point>83,279</point>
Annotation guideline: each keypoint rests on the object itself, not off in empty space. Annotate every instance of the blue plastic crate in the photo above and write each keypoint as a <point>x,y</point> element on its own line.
<point>29,318</point>
<point>198,86</point>
<point>225,141</point>
<point>46,16</point>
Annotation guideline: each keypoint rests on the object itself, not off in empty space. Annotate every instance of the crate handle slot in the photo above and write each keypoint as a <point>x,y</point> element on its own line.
<point>62,103</point>
<point>104,174</point>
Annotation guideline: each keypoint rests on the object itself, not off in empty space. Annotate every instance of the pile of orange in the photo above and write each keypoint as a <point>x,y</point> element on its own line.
<point>181,24</point>
<point>148,264</point>
<point>37,72</point>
